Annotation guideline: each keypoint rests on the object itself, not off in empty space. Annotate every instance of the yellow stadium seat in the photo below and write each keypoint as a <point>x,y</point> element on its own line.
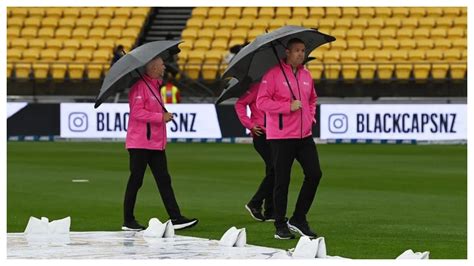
<point>427,22</point>
<point>354,34</point>
<point>460,43</point>
<point>316,70</point>
<point>343,23</point>
<point>20,12</point>
<point>94,71</point>
<point>373,44</point>
<point>106,12</point>
<point>30,55</point>
<point>443,44</point>
<point>417,12</point>
<point>13,32</point>
<point>202,44</point>
<point>97,33</point>
<point>239,34</point>
<point>37,44</point>
<point>384,66</point>
<point>140,12</point>
<point>332,65</point>
<point>84,23</point>
<point>401,12</point>
<point>63,33</point>
<point>367,67</point>
<point>393,23</point>
<point>88,12</point>
<point>119,23</point>
<point>200,12</point>
<point>83,56</point>
<point>350,12</point>
<point>317,12</point>
<point>318,54</point>
<point>416,55</point>
<point>311,22</point>
<point>71,44</point>
<point>40,70</point>
<point>219,45</point>
<point>71,12</point>
<point>244,24</point>
<point>349,65</point>
<point>113,33</point>
<point>80,33</point>
<point>333,12</point>
<point>189,34</point>
<point>376,23</point>
<point>383,12</point>
<point>23,70</point>
<point>250,12</point>
<point>390,44</point>
<point>55,44</point>
<point>66,55</point>
<point>434,55</point>
<point>438,33</point>
<point>359,24</point>
<point>211,23</point>
<point>277,23</point>
<point>355,45</point>
<point>122,13</point>
<point>233,12</point>
<point>186,45</point>
<point>135,23</point>
<point>452,55</point>
<point>19,43</point>
<point>366,12</point>
<point>227,24</point>
<point>252,34</point>
<point>9,43</point>
<point>206,34</point>
<point>102,23</point>
<point>339,34</point>
<point>452,11</point>
<point>283,12</point>
<point>421,33</point>
<point>439,70</point>
<point>29,32</point>
<point>9,70</point>
<point>444,22</point>
<point>407,44</point>
<point>460,22</point>
<point>404,33</point>
<point>67,22</point>
<point>403,68</point>
<point>76,71</point>
<point>388,33</point>
<point>50,22</point>
<point>46,33</point>
<point>126,42</point>
<point>216,12</point>
<point>14,54</point>
<point>266,13</point>
<point>300,12</point>
<point>211,66</point>
<point>33,22</point>
<point>106,44</point>
<point>371,34</point>
<point>223,34</point>
<point>236,41</point>
<point>456,33</point>
<point>58,71</point>
<point>294,22</point>
<point>434,11</point>
<point>129,33</point>
<point>261,24</point>
<point>194,23</point>
<point>101,56</point>
<point>195,59</point>
<point>36,12</point>
<point>425,44</point>
<point>327,23</point>
<point>410,23</point>
<point>338,45</point>
<point>15,22</point>
<point>49,55</point>
<point>458,70</point>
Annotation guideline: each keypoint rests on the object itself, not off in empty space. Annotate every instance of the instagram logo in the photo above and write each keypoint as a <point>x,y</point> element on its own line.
<point>338,123</point>
<point>78,122</point>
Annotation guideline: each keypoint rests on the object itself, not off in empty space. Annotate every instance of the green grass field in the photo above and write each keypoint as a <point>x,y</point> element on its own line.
<point>374,201</point>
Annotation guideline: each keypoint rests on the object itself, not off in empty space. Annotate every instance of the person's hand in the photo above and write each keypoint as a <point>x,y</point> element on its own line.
<point>295,105</point>
<point>168,117</point>
<point>256,130</point>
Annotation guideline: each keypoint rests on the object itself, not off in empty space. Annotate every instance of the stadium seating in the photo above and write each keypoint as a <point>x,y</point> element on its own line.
<point>68,42</point>
<point>372,42</point>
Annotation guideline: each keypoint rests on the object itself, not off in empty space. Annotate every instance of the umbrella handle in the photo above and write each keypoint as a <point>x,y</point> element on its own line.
<point>282,70</point>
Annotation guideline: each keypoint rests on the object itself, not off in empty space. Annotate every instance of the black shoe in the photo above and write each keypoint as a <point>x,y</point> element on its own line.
<point>132,226</point>
<point>269,217</point>
<point>256,213</point>
<point>283,233</point>
<point>183,222</point>
<point>301,228</point>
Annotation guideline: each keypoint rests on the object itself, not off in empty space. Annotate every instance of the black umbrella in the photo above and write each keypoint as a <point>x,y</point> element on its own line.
<point>120,74</point>
<point>253,61</point>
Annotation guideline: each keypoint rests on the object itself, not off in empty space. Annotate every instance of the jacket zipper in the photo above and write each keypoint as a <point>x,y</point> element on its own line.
<point>301,110</point>
<point>148,131</point>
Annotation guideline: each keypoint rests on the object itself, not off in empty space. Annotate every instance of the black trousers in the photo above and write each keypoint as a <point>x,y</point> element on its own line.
<point>265,190</point>
<point>139,159</point>
<point>284,152</point>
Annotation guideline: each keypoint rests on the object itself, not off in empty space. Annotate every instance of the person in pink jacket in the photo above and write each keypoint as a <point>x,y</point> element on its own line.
<point>256,124</point>
<point>146,143</point>
<point>289,104</point>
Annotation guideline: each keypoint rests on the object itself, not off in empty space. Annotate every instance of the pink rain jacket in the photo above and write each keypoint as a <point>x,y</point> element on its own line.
<point>146,126</point>
<point>274,98</point>
<point>257,117</point>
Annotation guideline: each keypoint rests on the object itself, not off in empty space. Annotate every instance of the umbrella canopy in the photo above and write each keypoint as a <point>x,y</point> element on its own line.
<point>118,76</point>
<point>254,60</point>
